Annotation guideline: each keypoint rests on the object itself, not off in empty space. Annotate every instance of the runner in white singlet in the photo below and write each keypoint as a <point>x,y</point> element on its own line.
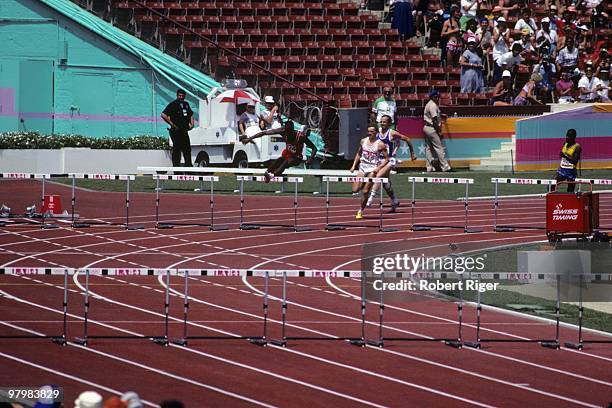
<point>372,156</point>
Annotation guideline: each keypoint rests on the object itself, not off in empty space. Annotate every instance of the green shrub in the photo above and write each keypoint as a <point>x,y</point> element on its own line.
<point>35,140</point>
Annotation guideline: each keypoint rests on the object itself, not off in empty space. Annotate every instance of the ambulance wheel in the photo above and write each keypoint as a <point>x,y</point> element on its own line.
<point>202,160</point>
<point>241,160</point>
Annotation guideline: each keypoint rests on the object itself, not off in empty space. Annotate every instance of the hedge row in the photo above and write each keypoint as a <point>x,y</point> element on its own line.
<point>35,140</point>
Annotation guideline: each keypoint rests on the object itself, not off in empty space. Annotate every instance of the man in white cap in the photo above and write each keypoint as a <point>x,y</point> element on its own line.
<point>384,105</point>
<point>88,399</point>
<point>545,37</point>
<point>247,120</point>
<point>131,400</point>
<point>501,39</point>
<point>269,118</point>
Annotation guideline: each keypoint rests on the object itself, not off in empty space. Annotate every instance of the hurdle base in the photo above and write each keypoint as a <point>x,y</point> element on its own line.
<point>259,342</point>
<point>375,343</point>
<point>388,229</point>
<point>49,226</point>
<point>550,344</point>
<point>279,343</point>
<point>162,341</point>
<point>332,227</point>
<point>574,346</point>
<point>81,225</point>
<point>472,344</point>
<point>454,343</point>
<point>302,229</point>
<point>180,342</point>
<point>218,228</point>
<point>134,227</point>
<point>420,228</point>
<point>81,341</point>
<point>59,340</point>
<point>504,229</point>
<point>357,342</point>
<point>472,230</point>
<point>247,227</point>
<point>164,226</point>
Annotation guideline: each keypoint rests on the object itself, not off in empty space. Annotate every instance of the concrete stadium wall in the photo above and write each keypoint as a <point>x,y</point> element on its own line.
<point>59,77</point>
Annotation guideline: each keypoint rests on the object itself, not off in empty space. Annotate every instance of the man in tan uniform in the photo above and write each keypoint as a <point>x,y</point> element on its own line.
<point>433,134</point>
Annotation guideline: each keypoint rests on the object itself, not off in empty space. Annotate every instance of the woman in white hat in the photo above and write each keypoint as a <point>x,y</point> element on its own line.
<point>471,69</point>
<point>269,118</point>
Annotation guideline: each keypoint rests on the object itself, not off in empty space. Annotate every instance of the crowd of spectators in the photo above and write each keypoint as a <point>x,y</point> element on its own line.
<point>554,56</point>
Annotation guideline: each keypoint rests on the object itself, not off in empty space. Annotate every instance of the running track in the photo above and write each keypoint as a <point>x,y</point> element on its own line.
<point>236,373</point>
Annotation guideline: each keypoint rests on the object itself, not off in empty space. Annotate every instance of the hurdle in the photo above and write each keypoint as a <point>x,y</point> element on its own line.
<point>353,179</point>
<point>579,345</point>
<point>354,340</point>
<point>552,343</point>
<point>455,342</point>
<point>42,215</point>
<point>156,338</point>
<point>441,180</point>
<point>496,200</point>
<point>253,226</point>
<point>210,179</point>
<point>259,340</point>
<point>86,224</point>
<point>59,339</point>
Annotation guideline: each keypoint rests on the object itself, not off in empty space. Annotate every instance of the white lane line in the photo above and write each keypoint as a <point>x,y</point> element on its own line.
<point>63,374</point>
<point>200,353</point>
<point>422,360</point>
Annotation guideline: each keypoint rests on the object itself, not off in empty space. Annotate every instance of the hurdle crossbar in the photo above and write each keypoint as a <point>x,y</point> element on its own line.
<point>161,339</point>
<point>99,176</point>
<point>579,345</point>
<point>496,201</point>
<point>441,180</point>
<point>59,339</point>
<point>553,343</point>
<point>354,179</point>
<point>210,179</point>
<point>277,179</point>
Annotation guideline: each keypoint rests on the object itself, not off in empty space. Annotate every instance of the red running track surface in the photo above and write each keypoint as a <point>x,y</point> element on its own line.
<point>236,373</point>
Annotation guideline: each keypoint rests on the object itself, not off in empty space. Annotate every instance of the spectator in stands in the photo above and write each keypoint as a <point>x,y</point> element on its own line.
<point>470,32</point>
<point>527,95</point>
<point>604,77</point>
<point>485,32</point>
<point>384,105</point>
<point>509,61</point>
<point>469,10</point>
<point>114,402</point>
<point>421,8</point>
<point>247,120</point>
<point>564,88</point>
<point>402,18</point>
<point>269,118</point>
<point>526,42</point>
<point>602,62</point>
<point>451,32</point>
<point>435,21</point>
<point>599,17</point>
<point>503,94</point>
<point>132,400</point>
<point>471,69</point>
<point>589,86</point>
<point>504,7</point>
<point>501,39</point>
<point>545,37</point>
<point>179,116</point>
<point>567,59</point>
<point>432,129</point>
<point>548,71</point>
<point>526,22</point>
<point>88,399</point>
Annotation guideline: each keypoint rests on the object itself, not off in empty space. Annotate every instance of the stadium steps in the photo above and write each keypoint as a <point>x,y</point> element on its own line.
<point>500,160</point>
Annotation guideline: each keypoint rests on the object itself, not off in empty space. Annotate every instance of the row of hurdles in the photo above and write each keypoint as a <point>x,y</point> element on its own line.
<point>261,335</point>
<point>293,177</point>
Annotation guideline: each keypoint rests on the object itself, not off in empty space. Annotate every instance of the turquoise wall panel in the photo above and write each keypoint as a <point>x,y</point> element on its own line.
<point>99,89</point>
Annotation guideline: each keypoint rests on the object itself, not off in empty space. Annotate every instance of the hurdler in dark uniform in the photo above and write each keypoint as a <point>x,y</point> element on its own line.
<point>179,116</point>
